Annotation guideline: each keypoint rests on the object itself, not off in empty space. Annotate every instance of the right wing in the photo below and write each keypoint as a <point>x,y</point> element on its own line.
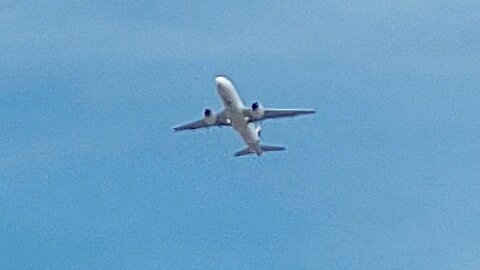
<point>277,113</point>
<point>220,121</point>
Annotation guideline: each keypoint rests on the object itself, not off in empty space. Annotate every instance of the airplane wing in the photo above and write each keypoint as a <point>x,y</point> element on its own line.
<point>280,113</point>
<point>202,123</point>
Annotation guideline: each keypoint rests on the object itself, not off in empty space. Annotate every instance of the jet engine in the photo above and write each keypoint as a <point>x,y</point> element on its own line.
<point>257,110</point>
<point>210,117</point>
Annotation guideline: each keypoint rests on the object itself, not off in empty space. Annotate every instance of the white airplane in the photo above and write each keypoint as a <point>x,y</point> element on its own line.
<point>241,118</point>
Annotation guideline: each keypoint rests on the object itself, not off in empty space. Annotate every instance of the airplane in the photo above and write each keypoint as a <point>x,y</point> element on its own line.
<point>241,118</point>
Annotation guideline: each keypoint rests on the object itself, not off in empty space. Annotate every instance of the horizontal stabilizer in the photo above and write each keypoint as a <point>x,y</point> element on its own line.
<point>244,152</point>
<point>265,148</point>
<point>270,148</point>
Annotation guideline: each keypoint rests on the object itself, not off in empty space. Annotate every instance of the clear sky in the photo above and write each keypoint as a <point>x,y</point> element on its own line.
<point>386,175</point>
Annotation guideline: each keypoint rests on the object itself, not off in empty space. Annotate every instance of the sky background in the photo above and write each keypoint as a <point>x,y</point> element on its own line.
<point>386,175</point>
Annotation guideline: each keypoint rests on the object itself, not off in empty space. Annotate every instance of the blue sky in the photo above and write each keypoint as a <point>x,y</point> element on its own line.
<point>384,176</point>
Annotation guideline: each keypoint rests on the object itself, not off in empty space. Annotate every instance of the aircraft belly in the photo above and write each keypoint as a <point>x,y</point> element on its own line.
<point>249,135</point>
<point>240,124</point>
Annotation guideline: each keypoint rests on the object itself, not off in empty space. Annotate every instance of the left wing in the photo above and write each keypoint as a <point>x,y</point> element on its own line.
<point>280,113</point>
<point>202,123</point>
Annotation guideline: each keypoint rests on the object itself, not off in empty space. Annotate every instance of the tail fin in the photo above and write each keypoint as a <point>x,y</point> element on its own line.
<point>265,148</point>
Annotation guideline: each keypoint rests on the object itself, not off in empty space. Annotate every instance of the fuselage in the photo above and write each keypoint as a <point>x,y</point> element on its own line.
<point>234,108</point>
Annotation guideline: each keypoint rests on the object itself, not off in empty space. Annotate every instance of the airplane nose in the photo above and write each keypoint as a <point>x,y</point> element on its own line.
<point>222,84</point>
<point>221,80</point>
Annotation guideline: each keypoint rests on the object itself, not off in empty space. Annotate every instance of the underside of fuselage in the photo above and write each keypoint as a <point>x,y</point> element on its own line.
<point>234,110</point>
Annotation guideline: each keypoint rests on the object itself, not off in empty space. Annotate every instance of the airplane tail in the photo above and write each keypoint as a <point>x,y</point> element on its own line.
<point>264,148</point>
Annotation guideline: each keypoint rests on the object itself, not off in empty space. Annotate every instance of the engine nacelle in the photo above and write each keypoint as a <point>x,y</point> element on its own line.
<point>257,110</point>
<point>210,117</point>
